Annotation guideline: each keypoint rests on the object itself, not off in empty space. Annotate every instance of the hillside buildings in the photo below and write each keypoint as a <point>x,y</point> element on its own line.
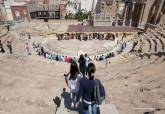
<point>137,13</point>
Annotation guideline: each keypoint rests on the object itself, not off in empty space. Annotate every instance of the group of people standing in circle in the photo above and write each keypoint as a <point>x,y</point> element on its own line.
<point>86,36</point>
<point>83,85</point>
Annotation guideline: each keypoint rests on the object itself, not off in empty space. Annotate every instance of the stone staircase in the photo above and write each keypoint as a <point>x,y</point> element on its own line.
<point>104,108</point>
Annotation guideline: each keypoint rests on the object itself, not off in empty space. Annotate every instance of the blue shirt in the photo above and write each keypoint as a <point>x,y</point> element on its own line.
<point>86,90</point>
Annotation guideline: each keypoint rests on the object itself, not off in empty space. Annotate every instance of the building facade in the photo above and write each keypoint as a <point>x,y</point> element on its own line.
<point>156,11</point>
<point>73,6</point>
<point>2,11</point>
<point>88,5</point>
<point>7,4</point>
<point>20,12</point>
<point>135,13</point>
<point>42,9</point>
<point>108,12</point>
<point>141,12</point>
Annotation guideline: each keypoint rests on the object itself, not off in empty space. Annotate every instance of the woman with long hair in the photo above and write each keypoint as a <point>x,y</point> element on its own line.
<point>72,79</point>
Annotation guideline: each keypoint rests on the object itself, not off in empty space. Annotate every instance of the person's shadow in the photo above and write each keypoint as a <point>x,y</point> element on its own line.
<point>57,102</point>
<point>67,102</point>
<point>67,99</point>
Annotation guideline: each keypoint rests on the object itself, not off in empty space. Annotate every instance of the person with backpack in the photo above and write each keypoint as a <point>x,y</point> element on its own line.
<point>91,91</point>
<point>72,80</point>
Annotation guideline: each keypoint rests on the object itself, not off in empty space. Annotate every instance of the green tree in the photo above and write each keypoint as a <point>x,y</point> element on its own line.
<point>81,15</point>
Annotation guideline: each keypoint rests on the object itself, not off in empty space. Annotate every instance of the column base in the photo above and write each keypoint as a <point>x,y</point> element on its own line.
<point>116,23</point>
<point>110,23</point>
<point>130,24</point>
<point>141,25</point>
<point>124,24</point>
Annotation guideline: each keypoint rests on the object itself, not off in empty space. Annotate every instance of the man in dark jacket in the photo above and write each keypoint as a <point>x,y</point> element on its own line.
<point>86,91</point>
<point>1,47</point>
<point>82,64</point>
<point>9,46</point>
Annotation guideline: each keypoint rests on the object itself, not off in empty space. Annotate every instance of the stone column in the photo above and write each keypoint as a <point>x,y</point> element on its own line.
<point>94,19</point>
<point>116,21</point>
<point>159,10</point>
<point>88,36</point>
<point>124,16</point>
<point>111,22</point>
<point>141,15</point>
<point>133,6</point>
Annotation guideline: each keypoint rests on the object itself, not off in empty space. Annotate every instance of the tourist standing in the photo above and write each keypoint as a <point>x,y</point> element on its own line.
<point>9,46</point>
<point>1,47</point>
<point>72,80</point>
<point>82,64</point>
<point>87,90</point>
<point>57,58</point>
<point>42,50</point>
<point>29,36</point>
<point>27,49</point>
<point>87,61</point>
<point>8,27</point>
<point>39,50</point>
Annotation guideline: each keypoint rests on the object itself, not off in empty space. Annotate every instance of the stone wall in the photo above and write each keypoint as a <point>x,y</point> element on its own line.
<point>102,23</point>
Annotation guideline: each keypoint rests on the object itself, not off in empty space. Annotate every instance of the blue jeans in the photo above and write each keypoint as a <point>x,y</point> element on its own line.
<point>94,109</point>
